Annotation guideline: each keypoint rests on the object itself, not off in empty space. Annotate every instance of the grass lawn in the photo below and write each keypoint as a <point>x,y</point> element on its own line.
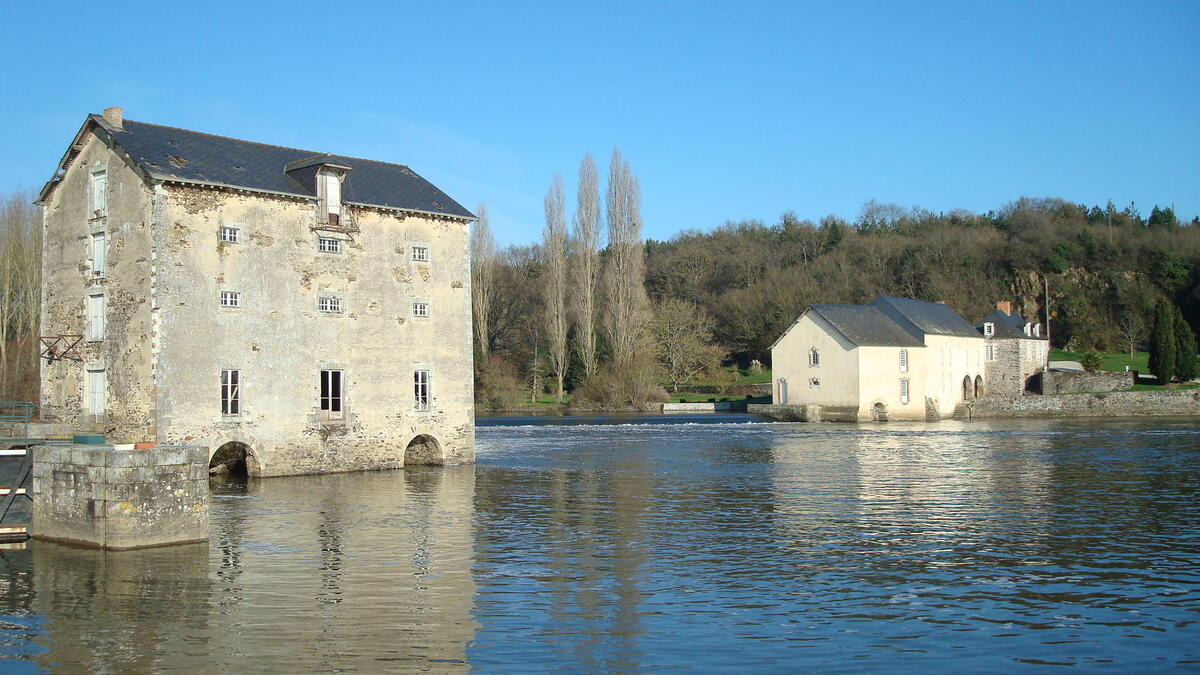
<point>744,376</point>
<point>1115,362</point>
<point>1156,387</point>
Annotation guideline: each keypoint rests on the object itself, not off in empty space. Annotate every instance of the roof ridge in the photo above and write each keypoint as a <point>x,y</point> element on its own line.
<point>266,145</point>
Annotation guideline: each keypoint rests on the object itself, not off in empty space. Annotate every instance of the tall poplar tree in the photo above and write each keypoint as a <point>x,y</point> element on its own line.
<point>625,274</point>
<point>585,244</point>
<point>483,270</point>
<point>554,290</point>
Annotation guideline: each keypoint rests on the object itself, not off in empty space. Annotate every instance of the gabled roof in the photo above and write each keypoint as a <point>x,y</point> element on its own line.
<point>171,154</point>
<point>1007,325</point>
<point>922,318</point>
<point>866,326</point>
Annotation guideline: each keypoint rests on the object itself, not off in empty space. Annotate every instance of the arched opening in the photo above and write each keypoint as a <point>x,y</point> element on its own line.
<point>879,412</point>
<point>232,460</point>
<point>423,449</point>
<point>968,387</point>
<point>978,386</point>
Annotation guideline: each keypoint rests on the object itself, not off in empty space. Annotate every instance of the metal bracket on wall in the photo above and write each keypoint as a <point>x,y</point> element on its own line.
<point>59,347</point>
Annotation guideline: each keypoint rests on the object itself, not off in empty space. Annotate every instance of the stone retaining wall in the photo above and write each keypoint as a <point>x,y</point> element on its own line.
<point>719,406</point>
<point>1058,382</point>
<point>1111,404</point>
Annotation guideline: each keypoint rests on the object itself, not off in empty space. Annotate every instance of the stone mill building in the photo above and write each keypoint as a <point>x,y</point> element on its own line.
<point>296,311</point>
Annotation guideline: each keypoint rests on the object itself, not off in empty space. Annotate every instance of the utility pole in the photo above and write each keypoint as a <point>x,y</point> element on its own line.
<point>1046,312</point>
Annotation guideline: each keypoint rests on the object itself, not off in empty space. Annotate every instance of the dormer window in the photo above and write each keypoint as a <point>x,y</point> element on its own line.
<point>1029,329</point>
<point>989,329</point>
<point>1037,330</point>
<point>329,191</point>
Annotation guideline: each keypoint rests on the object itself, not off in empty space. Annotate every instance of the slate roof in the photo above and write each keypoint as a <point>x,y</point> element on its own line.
<point>867,326</point>
<point>1007,325</point>
<point>925,318</point>
<point>168,153</point>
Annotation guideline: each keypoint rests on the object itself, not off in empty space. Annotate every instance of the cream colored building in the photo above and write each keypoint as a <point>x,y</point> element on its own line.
<point>894,359</point>
<point>294,311</point>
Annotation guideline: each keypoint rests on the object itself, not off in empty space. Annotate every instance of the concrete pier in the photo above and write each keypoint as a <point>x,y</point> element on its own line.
<point>116,497</point>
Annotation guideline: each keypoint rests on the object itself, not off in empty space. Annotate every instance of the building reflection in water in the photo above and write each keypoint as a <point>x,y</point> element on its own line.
<point>341,572</point>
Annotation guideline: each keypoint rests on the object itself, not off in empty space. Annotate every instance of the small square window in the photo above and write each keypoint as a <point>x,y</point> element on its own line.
<point>420,252</point>
<point>329,245</point>
<point>989,329</point>
<point>229,235</point>
<point>329,305</point>
<point>421,308</point>
<point>231,299</point>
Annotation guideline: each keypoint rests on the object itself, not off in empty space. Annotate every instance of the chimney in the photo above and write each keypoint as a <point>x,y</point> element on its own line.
<point>115,116</point>
<point>1004,306</point>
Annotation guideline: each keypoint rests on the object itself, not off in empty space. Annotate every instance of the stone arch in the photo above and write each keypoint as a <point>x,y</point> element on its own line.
<point>234,458</point>
<point>879,412</point>
<point>978,386</point>
<point>423,449</point>
<point>968,388</point>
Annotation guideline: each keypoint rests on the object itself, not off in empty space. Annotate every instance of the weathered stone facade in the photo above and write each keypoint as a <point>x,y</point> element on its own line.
<point>1111,404</point>
<point>1058,382</point>
<point>1014,362</point>
<point>168,337</point>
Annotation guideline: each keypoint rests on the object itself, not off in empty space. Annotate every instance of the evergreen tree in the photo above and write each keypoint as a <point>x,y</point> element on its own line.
<point>1186,365</point>
<point>1163,342</point>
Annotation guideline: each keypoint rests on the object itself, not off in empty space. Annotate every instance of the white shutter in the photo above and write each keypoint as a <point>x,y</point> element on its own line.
<point>333,193</point>
<point>95,317</point>
<point>99,255</point>
<point>99,194</point>
<point>97,388</point>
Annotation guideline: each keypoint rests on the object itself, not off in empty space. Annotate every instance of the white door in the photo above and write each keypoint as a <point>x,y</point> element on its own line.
<point>97,387</point>
<point>782,391</point>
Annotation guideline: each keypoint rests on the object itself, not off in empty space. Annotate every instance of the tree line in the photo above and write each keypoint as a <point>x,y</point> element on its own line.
<point>20,296</point>
<point>742,283</point>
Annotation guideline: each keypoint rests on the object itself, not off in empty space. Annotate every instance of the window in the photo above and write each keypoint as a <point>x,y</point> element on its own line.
<point>231,392</point>
<point>421,308</point>
<point>814,358</point>
<point>95,306</point>
<point>331,193</point>
<point>1037,330</point>
<point>98,193</point>
<point>989,329</point>
<point>904,390</point>
<point>229,235</point>
<point>231,299</point>
<point>98,254</point>
<point>332,392</point>
<point>329,305</point>
<point>990,352</point>
<point>1029,329</point>
<point>329,245</point>
<point>420,252</point>
<point>97,391</point>
<point>904,360</point>
<point>421,390</point>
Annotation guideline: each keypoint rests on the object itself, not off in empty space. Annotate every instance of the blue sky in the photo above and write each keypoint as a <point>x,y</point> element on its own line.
<point>726,111</point>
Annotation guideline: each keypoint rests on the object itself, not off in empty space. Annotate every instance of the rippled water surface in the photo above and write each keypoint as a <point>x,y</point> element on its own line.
<point>629,544</point>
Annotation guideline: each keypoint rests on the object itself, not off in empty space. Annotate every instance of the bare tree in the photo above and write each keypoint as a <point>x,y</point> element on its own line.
<point>20,296</point>
<point>1133,330</point>
<point>483,270</point>
<point>682,334</point>
<point>626,270</point>
<point>586,254</point>
<point>554,288</point>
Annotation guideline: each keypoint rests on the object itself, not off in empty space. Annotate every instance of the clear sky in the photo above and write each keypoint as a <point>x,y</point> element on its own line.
<point>725,111</point>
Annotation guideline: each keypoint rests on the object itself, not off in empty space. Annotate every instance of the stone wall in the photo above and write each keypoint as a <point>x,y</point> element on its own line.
<point>113,498</point>
<point>1112,404</point>
<point>1057,382</point>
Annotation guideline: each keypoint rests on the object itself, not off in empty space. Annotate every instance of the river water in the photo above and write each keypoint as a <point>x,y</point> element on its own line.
<point>633,545</point>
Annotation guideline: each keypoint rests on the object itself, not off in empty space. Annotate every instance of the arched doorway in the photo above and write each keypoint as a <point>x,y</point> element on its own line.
<point>423,449</point>
<point>233,459</point>
<point>978,386</point>
<point>879,412</point>
<point>968,388</point>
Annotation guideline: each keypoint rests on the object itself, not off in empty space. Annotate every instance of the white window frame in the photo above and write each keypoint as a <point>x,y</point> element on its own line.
<point>99,246</point>
<point>95,377</point>
<point>904,360</point>
<point>96,316</point>
<point>331,403</point>
<point>229,234</point>
<point>1037,330</point>
<point>904,391</point>
<point>423,389</point>
<point>421,308</point>
<point>989,352</point>
<point>419,252</point>
<point>989,329</point>
<point>229,299</point>
<point>814,358</point>
<point>231,392</point>
<point>329,244</point>
<point>330,304</point>
<point>98,192</point>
